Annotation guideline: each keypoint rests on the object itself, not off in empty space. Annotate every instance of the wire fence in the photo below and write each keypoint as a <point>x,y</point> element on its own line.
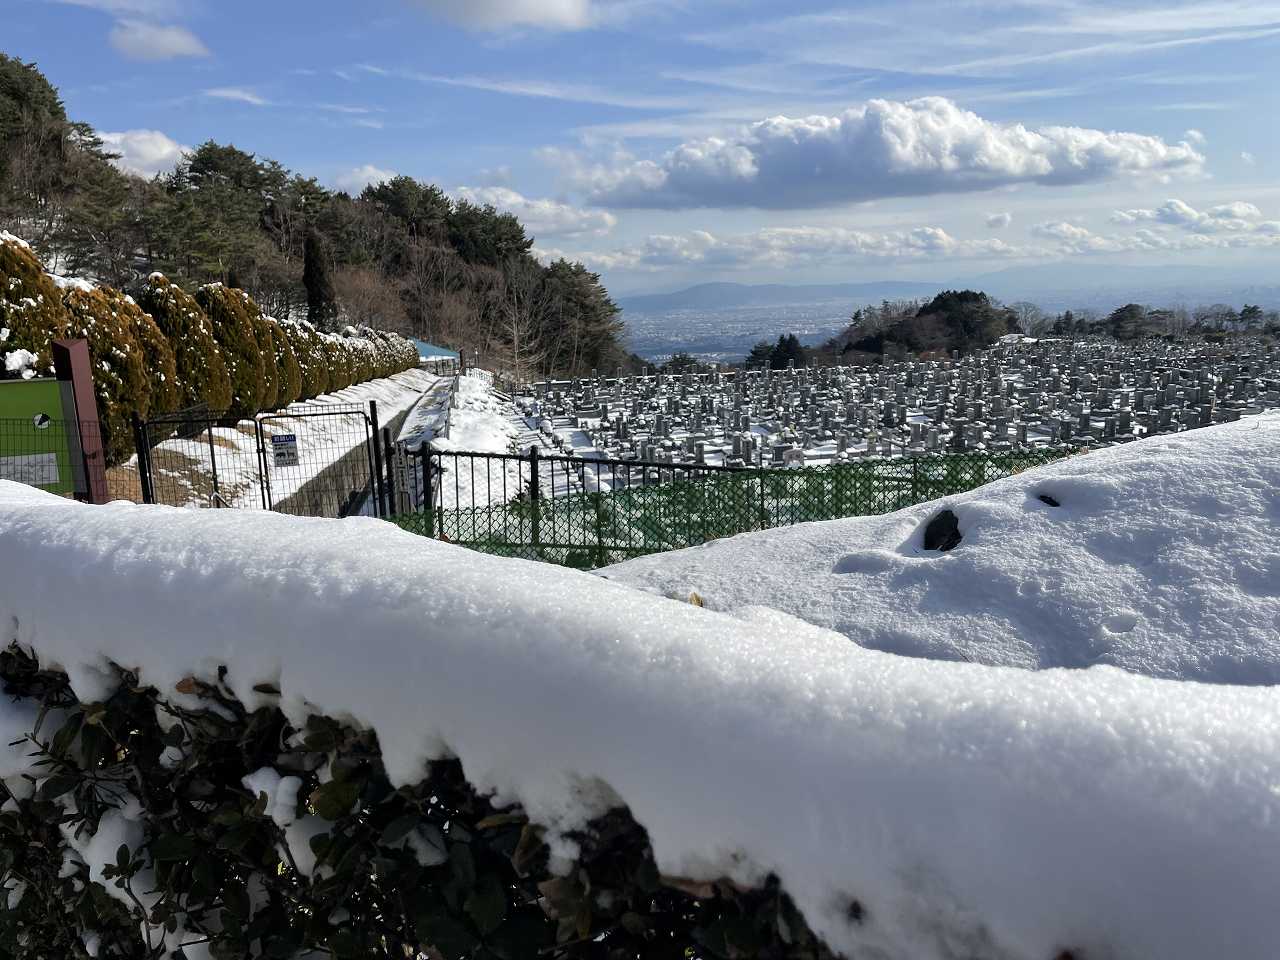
<point>315,460</point>
<point>59,456</point>
<point>589,513</point>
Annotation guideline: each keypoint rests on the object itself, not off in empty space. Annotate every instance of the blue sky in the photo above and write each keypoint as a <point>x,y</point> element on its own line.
<point>674,141</point>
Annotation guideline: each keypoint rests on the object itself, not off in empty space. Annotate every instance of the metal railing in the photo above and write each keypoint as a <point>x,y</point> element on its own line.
<point>588,513</point>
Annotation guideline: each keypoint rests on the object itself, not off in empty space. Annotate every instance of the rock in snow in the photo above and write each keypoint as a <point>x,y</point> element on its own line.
<point>1159,557</point>
<point>971,810</point>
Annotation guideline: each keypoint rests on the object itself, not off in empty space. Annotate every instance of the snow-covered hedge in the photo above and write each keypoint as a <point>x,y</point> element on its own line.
<point>156,820</point>
<point>171,350</point>
<point>910,808</point>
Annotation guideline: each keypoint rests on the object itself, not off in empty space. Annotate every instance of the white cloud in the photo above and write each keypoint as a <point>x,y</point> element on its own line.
<point>1077,240</point>
<point>998,221</point>
<point>780,247</point>
<point>1194,136</point>
<point>354,181</point>
<point>543,217</point>
<point>882,148</point>
<point>237,95</point>
<point>499,14</point>
<point>1235,217</point>
<point>140,40</point>
<point>144,152</point>
<point>1248,157</point>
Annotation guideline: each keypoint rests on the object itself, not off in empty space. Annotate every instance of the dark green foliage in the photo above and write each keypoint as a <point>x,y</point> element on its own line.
<point>31,307</point>
<point>402,256</point>
<point>313,360</point>
<point>159,362</point>
<point>108,321</point>
<point>234,331</point>
<point>955,320</point>
<point>432,868</point>
<point>288,370</point>
<point>1128,322</point>
<point>787,352</point>
<point>317,277</point>
<point>759,356</point>
<point>202,372</point>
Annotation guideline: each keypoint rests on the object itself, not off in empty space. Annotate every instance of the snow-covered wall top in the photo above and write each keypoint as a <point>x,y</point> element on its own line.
<point>1160,557</point>
<point>971,810</point>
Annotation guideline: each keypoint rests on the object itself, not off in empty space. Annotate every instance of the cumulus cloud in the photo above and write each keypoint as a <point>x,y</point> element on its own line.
<point>1235,217</point>
<point>882,148</point>
<point>543,217</point>
<point>778,247</point>
<point>1248,157</point>
<point>1194,136</point>
<point>355,180</point>
<point>141,40</point>
<point>499,14</point>
<point>998,221</point>
<point>144,152</point>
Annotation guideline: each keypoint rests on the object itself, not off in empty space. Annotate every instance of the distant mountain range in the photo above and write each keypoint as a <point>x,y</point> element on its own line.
<point>1053,286</point>
<point>718,296</point>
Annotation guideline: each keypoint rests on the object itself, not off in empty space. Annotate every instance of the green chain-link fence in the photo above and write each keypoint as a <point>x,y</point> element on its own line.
<point>671,508</point>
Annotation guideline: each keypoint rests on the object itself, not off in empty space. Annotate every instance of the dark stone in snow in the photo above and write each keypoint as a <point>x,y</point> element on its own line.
<point>943,532</point>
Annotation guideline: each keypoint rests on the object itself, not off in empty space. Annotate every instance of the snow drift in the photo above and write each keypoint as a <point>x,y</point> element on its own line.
<point>1160,557</point>
<point>971,810</point>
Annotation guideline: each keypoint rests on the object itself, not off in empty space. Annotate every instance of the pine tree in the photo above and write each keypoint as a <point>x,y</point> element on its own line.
<point>317,277</point>
<point>160,362</point>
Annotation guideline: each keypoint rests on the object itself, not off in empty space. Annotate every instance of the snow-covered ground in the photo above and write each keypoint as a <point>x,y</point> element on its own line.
<point>971,810</point>
<point>185,466</point>
<point>1159,557</point>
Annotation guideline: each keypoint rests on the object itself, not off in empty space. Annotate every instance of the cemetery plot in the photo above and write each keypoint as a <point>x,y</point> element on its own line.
<point>1014,397</point>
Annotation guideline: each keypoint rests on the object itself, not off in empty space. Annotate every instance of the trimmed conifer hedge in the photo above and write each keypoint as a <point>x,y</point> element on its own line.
<point>32,315</point>
<point>202,372</point>
<point>170,350</point>
<point>183,820</point>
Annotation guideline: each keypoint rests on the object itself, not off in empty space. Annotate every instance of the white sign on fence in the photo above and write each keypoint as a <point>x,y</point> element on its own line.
<point>36,469</point>
<point>284,446</point>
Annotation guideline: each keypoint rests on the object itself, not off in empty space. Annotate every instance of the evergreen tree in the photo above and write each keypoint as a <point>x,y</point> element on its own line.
<point>202,372</point>
<point>107,319</point>
<point>32,314</point>
<point>759,356</point>
<point>160,363</point>
<point>786,351</point>
<point>317,277</point>
<point>233,330</point>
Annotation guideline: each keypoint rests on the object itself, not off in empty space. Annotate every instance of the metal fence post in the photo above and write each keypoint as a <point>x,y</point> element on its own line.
<point>428,489</point>
<point>144,459</point>
<point>535,495</point>
<point>391,472</point>
<point>379,492</point>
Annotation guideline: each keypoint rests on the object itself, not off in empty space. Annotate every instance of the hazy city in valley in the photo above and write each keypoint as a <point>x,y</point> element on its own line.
<point>640,480</point>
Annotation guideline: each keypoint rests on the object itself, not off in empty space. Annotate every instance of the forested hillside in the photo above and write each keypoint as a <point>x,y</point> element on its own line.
<point>400,256</point>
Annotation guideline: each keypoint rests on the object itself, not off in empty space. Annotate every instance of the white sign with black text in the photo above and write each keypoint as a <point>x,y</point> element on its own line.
<point>284,447</point>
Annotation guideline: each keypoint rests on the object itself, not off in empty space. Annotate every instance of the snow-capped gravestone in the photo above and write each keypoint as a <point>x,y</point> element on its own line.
<point>1018,395</point>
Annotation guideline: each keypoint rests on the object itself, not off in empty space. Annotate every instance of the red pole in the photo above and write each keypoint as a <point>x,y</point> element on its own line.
<point>71,364</point>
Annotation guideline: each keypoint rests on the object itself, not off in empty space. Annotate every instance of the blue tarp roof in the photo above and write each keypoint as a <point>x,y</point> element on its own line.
<point>429,351</point>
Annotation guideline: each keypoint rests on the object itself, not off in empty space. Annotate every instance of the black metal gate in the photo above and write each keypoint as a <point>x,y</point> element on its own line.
<point>309,460</point>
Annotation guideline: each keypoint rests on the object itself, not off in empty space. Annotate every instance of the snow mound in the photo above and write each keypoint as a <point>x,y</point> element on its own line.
<point>969,810</point>
<point>1160,557</point>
